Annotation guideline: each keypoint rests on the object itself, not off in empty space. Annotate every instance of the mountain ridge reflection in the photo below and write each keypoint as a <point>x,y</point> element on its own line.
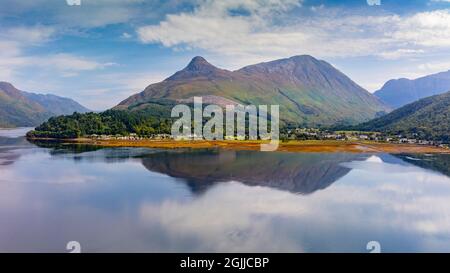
<point>155,200</point>
<point>201,169</point>
<point>435,162</point>
<point>293,172</point>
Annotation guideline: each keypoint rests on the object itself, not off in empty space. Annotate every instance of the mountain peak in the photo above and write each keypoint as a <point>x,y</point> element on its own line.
<point>20,108</point>
<point>197,67</point>
<point>6,85</point>
<point>300,68</point>
<point>199,63</point>
<point>302,58</point>
<point>9,89</point>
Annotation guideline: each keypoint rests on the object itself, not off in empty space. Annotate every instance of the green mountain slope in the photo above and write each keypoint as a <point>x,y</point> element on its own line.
<point>310,92</point>
<point>428,118</point>
<point>18,108</point>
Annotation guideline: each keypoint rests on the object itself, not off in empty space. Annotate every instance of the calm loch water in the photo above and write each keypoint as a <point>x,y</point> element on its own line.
<point>150,200</point>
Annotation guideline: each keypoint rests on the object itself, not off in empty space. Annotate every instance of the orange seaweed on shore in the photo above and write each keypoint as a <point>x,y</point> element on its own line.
<point>308,146</point>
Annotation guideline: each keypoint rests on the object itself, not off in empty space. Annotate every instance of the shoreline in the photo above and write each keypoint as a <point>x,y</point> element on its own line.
<point>15,128</point>
<point>311,146</point>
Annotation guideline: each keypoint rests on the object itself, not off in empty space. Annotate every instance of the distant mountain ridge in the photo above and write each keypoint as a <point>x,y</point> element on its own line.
<point>19,108</point>
<point>400,92</point>
<point>428,118</point>
<point>57,105</point>
<point>310,92</point>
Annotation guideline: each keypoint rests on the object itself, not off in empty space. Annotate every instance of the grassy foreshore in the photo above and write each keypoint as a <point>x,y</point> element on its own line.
<point>327,146</point>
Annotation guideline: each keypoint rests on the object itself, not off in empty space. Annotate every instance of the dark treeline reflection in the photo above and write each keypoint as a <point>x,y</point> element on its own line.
<point>435,162</point>
<point>13,142</point>
<point>200,169</point>
<point>83,152</point>
<point>9,149</point>
<point>60,147</point>
<point>302,173</point>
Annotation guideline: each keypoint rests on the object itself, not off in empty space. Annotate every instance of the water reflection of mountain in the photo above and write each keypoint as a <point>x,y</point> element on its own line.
<point>435,162</point>
<point>200,169</point>
<point>294,172</point>
<point>9,147</point>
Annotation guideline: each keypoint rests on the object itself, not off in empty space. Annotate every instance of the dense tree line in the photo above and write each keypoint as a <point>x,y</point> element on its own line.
<point>427,118</point>
<point>111,122</point>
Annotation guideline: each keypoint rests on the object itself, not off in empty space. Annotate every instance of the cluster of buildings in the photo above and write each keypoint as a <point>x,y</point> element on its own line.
<point>297,134</point>
<point>155,137</point>
<point>318,134</point>
<point>130,137</point>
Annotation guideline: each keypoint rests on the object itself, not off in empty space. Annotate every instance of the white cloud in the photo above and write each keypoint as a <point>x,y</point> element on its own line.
<point>8,52</point>
<point>426,29</point>
<point>212,27</point>
<point>110,88</point>
<point>126,35</point>
<point>98,13</point>
<point>68,62</point>
<point>28,35</point>
<point>251,217</point>
<point>326,33</point>
<point>14,43</point>
<point>433,67</point>
<point>92,13</point>
<point>62,64</point>
<point>400,53</point>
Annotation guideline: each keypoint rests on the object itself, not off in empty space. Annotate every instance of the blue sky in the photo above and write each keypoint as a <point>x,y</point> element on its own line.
<point>102,51</point>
